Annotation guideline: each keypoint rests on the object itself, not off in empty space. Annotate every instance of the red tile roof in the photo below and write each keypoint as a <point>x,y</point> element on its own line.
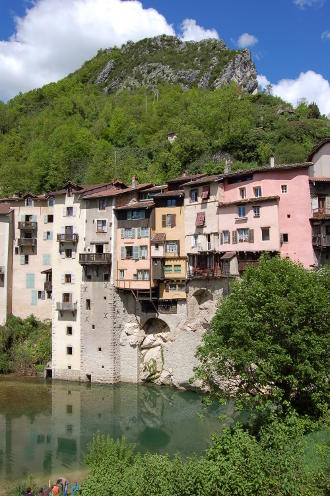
<point>320,179</point>
<point>114,191</point>
<point>249,200</point>
<point>167,194</point>
<point>158,238</point>
<point>137,204</point>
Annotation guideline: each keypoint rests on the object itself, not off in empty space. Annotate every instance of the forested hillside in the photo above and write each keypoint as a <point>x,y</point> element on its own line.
<point>74,129</point>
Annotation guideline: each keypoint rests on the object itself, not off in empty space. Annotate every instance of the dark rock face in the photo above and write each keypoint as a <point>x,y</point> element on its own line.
<point>168,60</point>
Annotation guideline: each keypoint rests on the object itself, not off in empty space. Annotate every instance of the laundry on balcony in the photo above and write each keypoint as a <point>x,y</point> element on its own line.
<point>200,219</point>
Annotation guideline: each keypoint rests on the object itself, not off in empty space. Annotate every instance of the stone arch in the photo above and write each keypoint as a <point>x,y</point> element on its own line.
<point>155,326</point>
<point>202,295</point>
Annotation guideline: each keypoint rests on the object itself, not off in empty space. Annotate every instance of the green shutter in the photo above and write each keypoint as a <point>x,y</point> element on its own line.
<point>22,260</point>
<point>138,232</point>
<point>22,218</point>
<point>45,235</point>
<point>122,253</point>
<point>122,233</point>
<point>51,235</point>
<point>135,252</point>
<point>45,219</point>
<point>29,281</point>
<point>46,259</point>
<point>34,297</point>
<point>34,218</point>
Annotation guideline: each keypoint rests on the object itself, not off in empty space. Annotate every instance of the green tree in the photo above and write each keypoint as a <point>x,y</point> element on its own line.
<point>269,340</point>
<point>313,111</point>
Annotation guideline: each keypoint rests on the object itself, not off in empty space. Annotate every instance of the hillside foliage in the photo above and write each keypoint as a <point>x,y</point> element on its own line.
<point>74,130</point>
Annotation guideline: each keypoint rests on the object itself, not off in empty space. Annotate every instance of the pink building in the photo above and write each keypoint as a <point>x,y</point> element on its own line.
<point>267,209</point>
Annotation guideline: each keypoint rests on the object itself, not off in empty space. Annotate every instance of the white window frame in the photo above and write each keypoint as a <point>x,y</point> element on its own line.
<point>256,190</point>
<point>105,229</point>
<point>284,188</point>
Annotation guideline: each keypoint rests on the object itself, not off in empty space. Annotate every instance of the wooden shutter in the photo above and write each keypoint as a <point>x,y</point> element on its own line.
<point>74,210</point>
<point>173,220</point>
<point>200,219</point>
<point>122,253</point>
<point>178,248</point>
<point>63,254</point>
<point>251,235</point>
<point>29,281</point>
<point>205,192</point>
<point>43,295</point>
<point>34,218</point>
<point>163,220</point>
<point>135,252</point>
<point>234,237</point>
<point>73,278</point>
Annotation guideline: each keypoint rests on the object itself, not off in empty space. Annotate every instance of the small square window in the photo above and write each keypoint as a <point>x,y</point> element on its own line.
<point>194,195</point>
<point>284,188</point>
<point>242,192</point>
<point>69,211</point>
<point>69,408</point>
<point>106,277</point>
<point>26,259</point>
<point>69,367</point>
<point>241,211</point>
<point>68,278</point>
<point>69,330</point>
<point>50,219</point>
<point>102,203</point>
<point>16,250</point>
<point>100,349</point>
<point>69,350</point>
<point>68,253</point>
<point>51,201</point>
<point>93,326</point>
<point>88,304</point>
<point>265,234</point>
<point>285,238</point>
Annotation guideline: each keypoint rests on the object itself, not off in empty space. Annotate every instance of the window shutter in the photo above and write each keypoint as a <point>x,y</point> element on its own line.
<point>138,232</point>
<point>122,252</point>
<point>62,254</point>
<point>221,238</point>
<point>45,219</point>
<point>163,220</point>
<point>122,233</point>
<point>234,237</point>
<point>34,218</point>
<point>135,252</point>
<point>43,295</point>
<point>22,218</point>
<point>29,281</point>
<point>133,234</point>
<point>193,241</point>
<point>200,219</point>
<point>45,235</point>
<point>178,248</point>
<point>73,278</point>
<point>34,297</point>
<point>63,278</point>
<point>173,220</point>
<point>281,238</point>
<point>22,260</point>
<point>229,237</point>
<point>74,210</point>
<point>64,212</point>
<point>251,235</point>
<point>73,254</point>
<point>51,235</point>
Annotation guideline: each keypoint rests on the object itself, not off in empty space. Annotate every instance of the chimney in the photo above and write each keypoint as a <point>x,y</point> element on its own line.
<point>272,161</point>
<point>134,182</point>
<point>227,168</point>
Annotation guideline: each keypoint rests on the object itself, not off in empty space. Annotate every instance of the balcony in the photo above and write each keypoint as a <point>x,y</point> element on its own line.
<point>66,306</point>
<point>48,286</point>
<point>95,258</point>
<point>321,212</point>
<point>199,273</point>
<point>27,226</point>
<point>27,242</point>
<point>67,238</point>
<point>321,240</point>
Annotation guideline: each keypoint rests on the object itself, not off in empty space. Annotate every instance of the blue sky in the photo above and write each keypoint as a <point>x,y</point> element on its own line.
<point>286,37</point>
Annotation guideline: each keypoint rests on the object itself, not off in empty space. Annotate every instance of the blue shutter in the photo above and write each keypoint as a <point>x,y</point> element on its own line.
<point>34,218</point>
<point>45,235</point>
<point>51,235</point>
<point>46,259</point>
<point>122,233</point>
<point>22,218</point>
<point>133,233</point>
<point>34,297</point>
<point>135,252</point>
<point>122,253</point>
<point>45,219</point>
<point>22,260</point>
<point>30,281</point>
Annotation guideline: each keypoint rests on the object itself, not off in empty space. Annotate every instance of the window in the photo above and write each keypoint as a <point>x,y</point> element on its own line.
<point>156,247</point>
<point>144,232</point>
<point>88,304</point>
<point>194,240</point>
<point>172,287</point>
<point>177,268</point>
<point>143,252</point>
<point>28,201</point>
<point>146,275</point>
<point>67,278</point>
<point>241,211</point>
<point>243,235</point>
<point>265,234</point>
<point>102,203</point>
<point>101,226</point>
<point>129,251</point>
<point>135,214</point>
<point>256,211</point>
<point>69,211</point>
<point>106,277</point>
<point>285,238</point>
<point>168,269</point>
<point>41,295</point>
<point>140,275</point>
<point>26,259</point>
<point>225,237</point>
<point>193,195</point>
<point>49,235</point>
<point>284,188</point>
<point>257,191</point>
<point>171,246</point>
<point>100,349</point>
<point>51,201</point>
<point>242,193</point>
<point>181,287</point>
<point>67,297</point>
<point>69,408</point>
<point>121,274</point>
<point>50,219</point>
<point>68,253</point>
<point>327,229</point>
<point>69,350</point>
<point>69,330</point>
<point>168,220</point>
<point>171,202</point>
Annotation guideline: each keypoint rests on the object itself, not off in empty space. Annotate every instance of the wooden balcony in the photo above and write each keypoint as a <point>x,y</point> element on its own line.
<point>95,258</point>
<point>321,212</point>
<point>321,240</point>
<point>199,273</point>
<point>27,226</point>
<point>66,306</point>
<point>23,242</point>
<point>48,286</point>
<point>67,238</point>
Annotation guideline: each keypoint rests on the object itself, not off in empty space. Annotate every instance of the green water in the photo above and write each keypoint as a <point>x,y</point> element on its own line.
<point>46,426</point>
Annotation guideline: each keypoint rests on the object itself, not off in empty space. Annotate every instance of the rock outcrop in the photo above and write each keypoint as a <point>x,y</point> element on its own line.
<point>168,60</point>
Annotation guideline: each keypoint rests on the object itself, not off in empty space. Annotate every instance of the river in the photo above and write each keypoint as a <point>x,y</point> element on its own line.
<point>45,426</point>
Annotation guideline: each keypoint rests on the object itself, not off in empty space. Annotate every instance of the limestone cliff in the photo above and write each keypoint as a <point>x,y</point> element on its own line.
<point>168,60</point>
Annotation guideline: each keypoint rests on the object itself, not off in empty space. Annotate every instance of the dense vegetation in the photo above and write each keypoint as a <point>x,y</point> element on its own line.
<point>74,130</point>
<point>25,345</point>
<point>270,340</point>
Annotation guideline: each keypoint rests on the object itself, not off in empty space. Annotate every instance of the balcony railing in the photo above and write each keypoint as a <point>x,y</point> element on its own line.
<point>95,258</point>
<point>318,212</point>
<point>68,238</point>
<point>321,240</point>
<point>48,286</point>
<point>66,306</point>
<point>27,242</point>
<point>199,273</point>
<point>27,226</point>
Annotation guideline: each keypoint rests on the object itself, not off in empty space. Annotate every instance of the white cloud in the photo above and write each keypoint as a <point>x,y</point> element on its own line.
<point>308,3</point>
<point>247,40</point>
<point>56,36</point>
<point>325,35</point>
<point>191,31</point>
<point>309,85</point>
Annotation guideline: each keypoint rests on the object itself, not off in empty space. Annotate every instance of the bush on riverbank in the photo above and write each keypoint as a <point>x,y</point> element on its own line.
<point>25,345</point>
<point>237,463</point>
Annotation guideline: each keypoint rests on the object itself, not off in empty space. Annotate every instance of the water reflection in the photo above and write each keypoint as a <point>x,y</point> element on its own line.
<point>45,427</point>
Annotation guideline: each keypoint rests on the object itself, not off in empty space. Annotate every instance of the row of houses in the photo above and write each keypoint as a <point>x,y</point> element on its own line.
<point>74,255</point>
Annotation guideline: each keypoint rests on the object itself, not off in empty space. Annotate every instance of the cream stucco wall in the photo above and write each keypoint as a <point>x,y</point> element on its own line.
<point>4,247</point>
<point>321,159</point>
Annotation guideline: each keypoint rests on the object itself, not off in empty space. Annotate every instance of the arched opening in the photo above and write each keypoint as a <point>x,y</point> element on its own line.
<point>202,296</point>
<point>155,326</point>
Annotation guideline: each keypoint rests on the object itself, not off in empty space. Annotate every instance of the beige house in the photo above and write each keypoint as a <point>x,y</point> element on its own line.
<point>6,260</point>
